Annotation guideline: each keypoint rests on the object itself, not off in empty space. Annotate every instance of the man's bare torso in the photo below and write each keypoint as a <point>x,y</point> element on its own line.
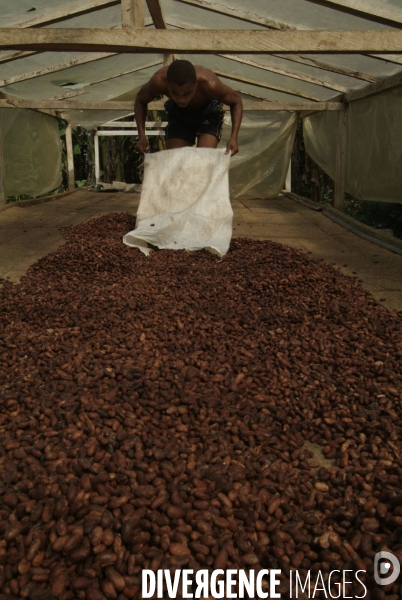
<point>205,90</point>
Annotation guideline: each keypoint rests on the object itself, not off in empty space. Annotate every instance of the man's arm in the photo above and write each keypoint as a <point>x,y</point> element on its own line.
<point>228,96</point>
<point>147,93</point>
<point>233,100</point>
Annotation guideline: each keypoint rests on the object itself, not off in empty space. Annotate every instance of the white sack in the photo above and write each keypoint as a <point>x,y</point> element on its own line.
<point>184,201</point>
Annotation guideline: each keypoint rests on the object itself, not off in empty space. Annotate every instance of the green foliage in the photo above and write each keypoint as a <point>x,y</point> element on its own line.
<point>381,215</point>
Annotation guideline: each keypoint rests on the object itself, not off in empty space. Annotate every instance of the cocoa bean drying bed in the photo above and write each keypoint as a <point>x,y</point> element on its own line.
<point>160,413</point>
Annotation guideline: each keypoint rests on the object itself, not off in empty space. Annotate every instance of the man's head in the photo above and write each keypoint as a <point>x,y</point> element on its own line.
<point>182,81</point>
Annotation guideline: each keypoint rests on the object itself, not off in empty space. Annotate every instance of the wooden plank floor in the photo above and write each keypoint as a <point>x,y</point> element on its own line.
<point>30,232</point>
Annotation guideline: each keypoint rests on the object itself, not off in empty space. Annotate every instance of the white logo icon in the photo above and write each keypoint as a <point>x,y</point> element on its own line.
<point>384,568</point>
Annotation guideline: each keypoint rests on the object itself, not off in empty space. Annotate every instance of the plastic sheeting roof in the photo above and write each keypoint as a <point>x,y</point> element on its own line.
<point>287,79</point>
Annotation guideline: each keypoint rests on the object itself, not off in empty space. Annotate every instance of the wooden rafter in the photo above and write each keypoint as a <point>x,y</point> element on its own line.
<point>268,86</point>
<point>54,68</point>
<point>395,58</point>
<point>383,85</point>
<point>154,63</point>
<point>11,99</point>
<point>204,41</point>
<point>156,13</point>
<point>279,25</point>
<point>158,105</point>
<point>243,15</point>
<point>293,74</point>
<point>82,60</point>
<point>49,16</point>
<point>379,13</point>
<point>312,62</point>
<point>10,56</point>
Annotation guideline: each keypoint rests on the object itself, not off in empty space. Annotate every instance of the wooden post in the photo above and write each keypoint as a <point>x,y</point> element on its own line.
<point>315,182</point>
<point>340,163</point>
<point>167,59</point>
<point>3,196</point>
<point>288,180</point>
<point>132,13</point>
<point>97,165</point>
<point>70,158</point>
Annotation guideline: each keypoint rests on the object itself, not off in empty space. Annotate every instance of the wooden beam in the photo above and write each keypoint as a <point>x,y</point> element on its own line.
<point>277,25</point>
<point>312,62</point>
<point>132,14</point>
<point>70,158</point>
<point>201,40</point>
<point>286,72</point>
<point>379,13</point>
<point>97,161</point>
<point>237,13</point>
<point>69,95</point>
<point>382,85</point>
<point>54,68</point>
<point>10,56</point>
<point>268,86</point>
<point>340,162</point>
<point>154,63</point>
<point>168,58</point>
<point>156,13</point>
<point>3,195</point>
<point>46,111</point>
<point>48,16</point>
<point>288,180</point>
<point>158,105</point>
<point>393,58</point>
<point>148,65</point>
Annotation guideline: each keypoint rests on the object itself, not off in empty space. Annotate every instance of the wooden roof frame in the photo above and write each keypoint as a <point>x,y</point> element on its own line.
<point>203,41</point>
<point>26,38</point>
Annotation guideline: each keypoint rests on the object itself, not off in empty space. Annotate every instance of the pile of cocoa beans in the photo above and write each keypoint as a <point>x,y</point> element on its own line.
<point>159,413</point>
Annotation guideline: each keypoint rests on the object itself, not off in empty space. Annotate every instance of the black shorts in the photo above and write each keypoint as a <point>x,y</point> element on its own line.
<point>187,124</point>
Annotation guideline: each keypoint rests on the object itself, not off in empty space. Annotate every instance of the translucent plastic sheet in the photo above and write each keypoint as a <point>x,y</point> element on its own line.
<point>265,143</point>
<point>32,152</point>
<point>374,149</point>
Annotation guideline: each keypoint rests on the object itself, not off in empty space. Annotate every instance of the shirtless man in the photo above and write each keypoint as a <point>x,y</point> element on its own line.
<point>195,107</point>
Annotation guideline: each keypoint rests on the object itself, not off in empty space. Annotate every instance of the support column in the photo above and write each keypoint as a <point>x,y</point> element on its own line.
<point>97,164</point>
<point>340,163</point>
<point>3,195</point>
<point>70,158</point>
<point>132,13</point>
<point>315,182</point>
<point>288,180</point>
<point>167,59</point>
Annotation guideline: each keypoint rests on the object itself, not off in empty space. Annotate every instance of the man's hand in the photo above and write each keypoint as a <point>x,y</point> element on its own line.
<point>232,147</point>
<point>142,145</point>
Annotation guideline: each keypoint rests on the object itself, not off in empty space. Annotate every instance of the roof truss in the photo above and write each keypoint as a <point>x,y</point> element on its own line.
<point>258,20</point>
<point>285,72</point>
<point>379,13</point>
<point>268,86</point>
<point>65,12</point>
<point>201,40</point>
<point>132,13</point>
<point>13,102</point>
